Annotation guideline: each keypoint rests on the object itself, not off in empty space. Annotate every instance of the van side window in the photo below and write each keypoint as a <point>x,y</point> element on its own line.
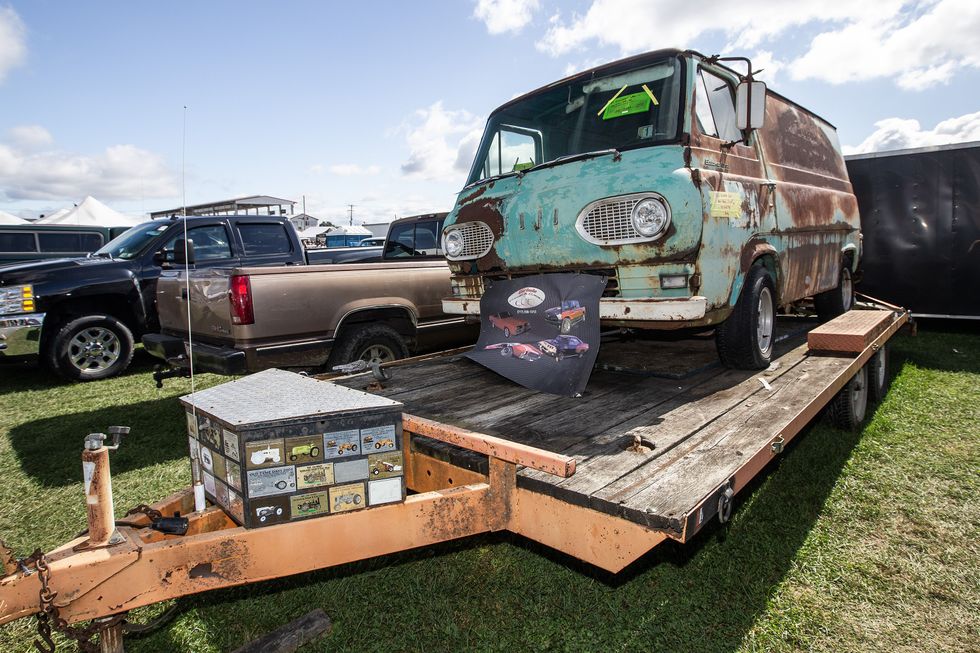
<point>51,241</point>
<point>511,151</point>
<point>718,93</point>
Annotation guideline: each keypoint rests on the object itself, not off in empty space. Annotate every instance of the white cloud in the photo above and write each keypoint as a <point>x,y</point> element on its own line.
<point>29,137</point>
<point>901,133</point>
<point>13,41</point>
<point>916,43</point>
<point>121,172</point>
<point>505,15</point>
<point>441,143</point>
<point>349,169</point>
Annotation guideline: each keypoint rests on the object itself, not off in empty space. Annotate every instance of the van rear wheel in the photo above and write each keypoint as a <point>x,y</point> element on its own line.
<point>745,340</point>
<point>836,301</point>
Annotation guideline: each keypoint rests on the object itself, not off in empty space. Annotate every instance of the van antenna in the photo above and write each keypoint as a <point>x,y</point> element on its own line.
<point>187,265</point>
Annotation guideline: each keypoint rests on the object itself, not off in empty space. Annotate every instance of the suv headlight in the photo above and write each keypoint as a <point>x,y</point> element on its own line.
<point>454,242</point>
<point>17,299</point>
<point>650,217</point>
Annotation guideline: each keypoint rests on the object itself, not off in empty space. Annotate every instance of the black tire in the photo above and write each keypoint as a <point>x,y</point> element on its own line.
<point>314,452</point>
<point>740,342</point>
<point>839,300</point>
<point>358,341</point>
<point>847,410</point>
<point>506,351</point>
<point>878,375</point>
<point>110,354</point>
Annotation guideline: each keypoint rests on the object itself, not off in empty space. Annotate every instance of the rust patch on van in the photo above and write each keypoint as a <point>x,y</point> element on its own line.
<point>488,212</point>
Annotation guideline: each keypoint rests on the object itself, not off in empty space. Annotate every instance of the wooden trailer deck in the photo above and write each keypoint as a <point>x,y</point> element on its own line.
<point>658,444</point>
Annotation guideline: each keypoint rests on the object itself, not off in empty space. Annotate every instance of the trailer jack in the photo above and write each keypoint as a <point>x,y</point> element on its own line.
<point>160,373</point>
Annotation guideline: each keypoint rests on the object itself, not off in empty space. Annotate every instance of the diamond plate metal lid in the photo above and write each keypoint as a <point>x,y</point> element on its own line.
<point>277,396</point>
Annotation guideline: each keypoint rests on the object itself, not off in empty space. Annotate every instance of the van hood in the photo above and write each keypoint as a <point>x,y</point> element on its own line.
<point>533,215</point>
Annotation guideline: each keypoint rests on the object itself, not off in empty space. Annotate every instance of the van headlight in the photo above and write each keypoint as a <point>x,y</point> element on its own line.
<point>650,217</point>
<point>454,242</point>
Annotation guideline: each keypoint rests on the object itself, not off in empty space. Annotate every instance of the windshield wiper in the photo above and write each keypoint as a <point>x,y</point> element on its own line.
<point>568,158</point>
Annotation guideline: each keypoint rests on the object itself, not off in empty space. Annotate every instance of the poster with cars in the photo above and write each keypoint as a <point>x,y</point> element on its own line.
<point>541,331</point>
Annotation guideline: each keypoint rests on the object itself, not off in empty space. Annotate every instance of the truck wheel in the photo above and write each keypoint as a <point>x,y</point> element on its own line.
<point>837,301</point>
<point>369,342</point>
<point>506,351</point>
<point>846,411</point>
<point>566,326</point>
<point>878,375</point>
<point>745,340</point>
<point>90,348</point>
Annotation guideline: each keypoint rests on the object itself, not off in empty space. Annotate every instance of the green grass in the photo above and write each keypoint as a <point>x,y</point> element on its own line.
<point>853,542</point>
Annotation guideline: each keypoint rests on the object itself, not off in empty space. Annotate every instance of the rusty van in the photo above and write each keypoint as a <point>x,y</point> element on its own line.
<point>706,200</point>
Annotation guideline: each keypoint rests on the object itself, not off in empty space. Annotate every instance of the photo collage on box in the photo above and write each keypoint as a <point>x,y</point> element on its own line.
<point>297,477</point>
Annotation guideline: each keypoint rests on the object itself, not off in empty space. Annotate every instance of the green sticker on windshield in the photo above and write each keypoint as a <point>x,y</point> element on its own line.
<point>626,105</point>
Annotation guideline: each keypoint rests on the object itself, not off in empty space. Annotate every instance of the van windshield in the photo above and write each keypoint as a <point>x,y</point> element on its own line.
<point>130,243</point>
<point>634,108</point>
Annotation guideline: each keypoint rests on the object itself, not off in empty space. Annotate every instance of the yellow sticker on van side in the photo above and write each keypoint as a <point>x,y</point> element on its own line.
<point>726,205</point>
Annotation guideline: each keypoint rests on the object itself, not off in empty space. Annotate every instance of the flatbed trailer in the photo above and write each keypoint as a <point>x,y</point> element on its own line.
<point>659,444</point>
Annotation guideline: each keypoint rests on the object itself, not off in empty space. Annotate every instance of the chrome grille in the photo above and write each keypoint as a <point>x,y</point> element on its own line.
<point>610,221</point>
<point>607,221</point>
<point>477,240</point>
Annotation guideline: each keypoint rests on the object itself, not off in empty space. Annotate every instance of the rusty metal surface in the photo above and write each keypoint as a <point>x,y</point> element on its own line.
<point>513,452</point>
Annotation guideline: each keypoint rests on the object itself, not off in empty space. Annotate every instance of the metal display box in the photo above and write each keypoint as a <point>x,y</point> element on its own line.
<point>277,446</point>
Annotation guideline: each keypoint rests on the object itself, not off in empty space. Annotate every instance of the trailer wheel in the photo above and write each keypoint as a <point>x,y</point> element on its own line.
<point>836,301</point>
<point>91,347</point>
<point>847,410</point>
<point>878,375</point>
<point>745,340</point>
<point>374,343</point>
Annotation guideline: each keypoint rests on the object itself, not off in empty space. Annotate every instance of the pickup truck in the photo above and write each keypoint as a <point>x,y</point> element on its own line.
<point>80,316</point>
<point>248,318</point>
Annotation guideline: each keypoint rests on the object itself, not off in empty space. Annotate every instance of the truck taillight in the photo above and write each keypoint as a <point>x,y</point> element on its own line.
<point>241,300</point>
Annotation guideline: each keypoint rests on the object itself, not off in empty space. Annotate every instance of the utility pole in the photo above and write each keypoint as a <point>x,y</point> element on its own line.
<point>350,211</point>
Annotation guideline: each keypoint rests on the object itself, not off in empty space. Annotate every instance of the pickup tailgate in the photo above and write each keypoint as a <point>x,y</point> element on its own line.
<point>210,313</point>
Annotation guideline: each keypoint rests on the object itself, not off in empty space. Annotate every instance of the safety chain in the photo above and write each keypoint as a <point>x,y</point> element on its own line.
<point>50,615</point>
<point>143,509</point>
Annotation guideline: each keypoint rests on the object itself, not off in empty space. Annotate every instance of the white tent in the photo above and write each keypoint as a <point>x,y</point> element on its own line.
<point>57,215</point>
<point>312,232</point>
<point>350,230</point>
<point>91,213</point>
<point>7,218</point>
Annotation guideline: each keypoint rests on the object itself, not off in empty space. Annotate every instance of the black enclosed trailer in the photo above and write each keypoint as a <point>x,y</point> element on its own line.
<point>920,216</point>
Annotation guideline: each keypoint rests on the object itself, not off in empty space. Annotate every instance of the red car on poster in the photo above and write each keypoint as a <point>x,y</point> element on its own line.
<point>561,347</point>
<point>570,313</point>
<point>510,325</point>
<point>517,350</point>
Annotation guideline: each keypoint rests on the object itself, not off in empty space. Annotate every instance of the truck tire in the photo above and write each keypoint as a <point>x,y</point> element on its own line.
<point>846,411</point>
<point>836,301</point>
<point>745,340</point>
<point>91,347</point>
<point>878,375</point>
<point>369,342</point>
<point>566,326</point>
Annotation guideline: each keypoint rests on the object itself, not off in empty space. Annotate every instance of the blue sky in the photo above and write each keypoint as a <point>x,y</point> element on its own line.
<point>379,104</point>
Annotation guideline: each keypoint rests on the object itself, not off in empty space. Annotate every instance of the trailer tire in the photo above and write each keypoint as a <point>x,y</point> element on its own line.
<point>90,347</point>
<point>370,342</point>
<point>745,340</point>
<point>836,301</point>
<point>847,410</point>
<point>878,375</point>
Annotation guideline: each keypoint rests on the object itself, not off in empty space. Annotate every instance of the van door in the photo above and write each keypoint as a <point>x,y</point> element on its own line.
<point>733,183</point>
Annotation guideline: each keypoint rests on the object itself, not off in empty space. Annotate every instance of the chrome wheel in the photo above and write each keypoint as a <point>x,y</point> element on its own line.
<point>766,320</point>
<point>94,349</point>
<point>859,394</point>
<point>377,354</point>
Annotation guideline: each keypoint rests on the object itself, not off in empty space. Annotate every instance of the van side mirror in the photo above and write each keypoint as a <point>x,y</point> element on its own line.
<point>750,105</point>
<point>179,250</point>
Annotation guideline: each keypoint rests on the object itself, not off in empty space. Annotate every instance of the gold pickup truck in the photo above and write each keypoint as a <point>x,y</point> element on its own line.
<point>252,318</point>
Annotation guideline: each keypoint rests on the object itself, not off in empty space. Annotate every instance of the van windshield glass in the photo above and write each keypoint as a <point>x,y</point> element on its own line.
<point>130,243</point>
<point>633,108</point>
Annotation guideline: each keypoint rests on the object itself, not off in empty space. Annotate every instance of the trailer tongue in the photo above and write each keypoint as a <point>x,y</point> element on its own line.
<point>641,458</point>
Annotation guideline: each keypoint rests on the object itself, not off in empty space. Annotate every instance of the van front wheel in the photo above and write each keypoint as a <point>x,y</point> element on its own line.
<point>745,340</point>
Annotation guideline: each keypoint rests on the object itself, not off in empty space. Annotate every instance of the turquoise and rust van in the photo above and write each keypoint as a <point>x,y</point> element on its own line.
<point>703,198</point>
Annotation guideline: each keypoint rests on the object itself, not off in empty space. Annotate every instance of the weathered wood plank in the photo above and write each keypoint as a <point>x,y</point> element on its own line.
<point>291,636</point>
<point>851,332</point>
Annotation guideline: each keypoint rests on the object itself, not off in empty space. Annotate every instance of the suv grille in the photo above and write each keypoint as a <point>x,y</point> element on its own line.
<point>477,240</point>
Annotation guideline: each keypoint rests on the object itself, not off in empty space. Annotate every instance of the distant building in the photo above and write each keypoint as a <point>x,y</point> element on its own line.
<point>305,221</point>
<point>251,205</point>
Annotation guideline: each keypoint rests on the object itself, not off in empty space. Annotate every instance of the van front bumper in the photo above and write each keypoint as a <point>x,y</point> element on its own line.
<point>20,335</point>
<point>686,309</point>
